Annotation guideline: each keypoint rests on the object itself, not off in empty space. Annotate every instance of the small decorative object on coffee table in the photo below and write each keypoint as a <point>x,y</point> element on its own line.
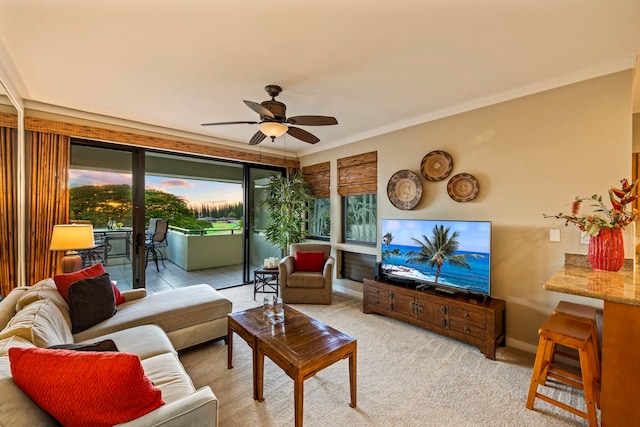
<point>266,280</point>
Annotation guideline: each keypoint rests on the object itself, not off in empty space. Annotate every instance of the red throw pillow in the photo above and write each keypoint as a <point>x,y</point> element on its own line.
<point>116,294</point>
<point>82,388</point>
<point>63,281</point>
<point>309,261</point>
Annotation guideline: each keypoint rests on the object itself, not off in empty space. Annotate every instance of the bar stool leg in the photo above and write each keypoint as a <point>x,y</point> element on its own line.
<point>538,377</point>
<point>589,386</point>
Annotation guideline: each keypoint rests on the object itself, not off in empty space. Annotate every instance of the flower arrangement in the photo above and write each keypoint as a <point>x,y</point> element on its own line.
<point>618,216</point>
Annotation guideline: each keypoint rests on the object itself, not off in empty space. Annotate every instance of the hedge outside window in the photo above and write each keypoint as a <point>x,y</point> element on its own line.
<point>319,220</point>
<point>360,221</point>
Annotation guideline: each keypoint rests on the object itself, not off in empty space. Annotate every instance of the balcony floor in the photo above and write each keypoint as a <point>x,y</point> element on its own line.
<point>173,276</point>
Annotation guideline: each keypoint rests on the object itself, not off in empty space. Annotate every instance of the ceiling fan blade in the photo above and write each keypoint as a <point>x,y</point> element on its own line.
<point>257,138</point>
<point>259,109</point>
<point>229,123</point>
<point>312,120</point>
<point>302,135</point>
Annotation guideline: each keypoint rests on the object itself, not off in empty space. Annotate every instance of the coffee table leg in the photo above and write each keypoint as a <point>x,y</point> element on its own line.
<point>229,348</point>
<point>258,374</point>
<point>298,398</point>
<point>352,377</point>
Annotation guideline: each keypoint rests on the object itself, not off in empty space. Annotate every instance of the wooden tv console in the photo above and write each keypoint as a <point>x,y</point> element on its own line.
<point>467,319</point>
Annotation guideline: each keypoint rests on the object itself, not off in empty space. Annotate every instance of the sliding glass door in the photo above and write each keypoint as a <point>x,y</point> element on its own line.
<point>214,208</point>
<point>101,193</point>
<point>256,246</point>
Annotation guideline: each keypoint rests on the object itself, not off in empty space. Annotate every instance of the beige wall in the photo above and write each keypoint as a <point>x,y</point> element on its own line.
<point>531,156</point>
<point>636,132</point>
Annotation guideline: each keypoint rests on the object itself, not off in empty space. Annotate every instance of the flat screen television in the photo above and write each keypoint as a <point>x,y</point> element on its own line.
<point>451,256</point>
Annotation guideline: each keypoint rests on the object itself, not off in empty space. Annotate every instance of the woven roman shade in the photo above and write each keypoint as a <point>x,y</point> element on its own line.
<point>317,176</point>
<point>358,174</point>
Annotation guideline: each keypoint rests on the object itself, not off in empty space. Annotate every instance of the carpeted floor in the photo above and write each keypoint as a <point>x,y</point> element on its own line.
<point>406,377</point>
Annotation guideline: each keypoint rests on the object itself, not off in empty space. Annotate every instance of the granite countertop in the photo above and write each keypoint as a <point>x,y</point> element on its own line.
<point>621,287</point>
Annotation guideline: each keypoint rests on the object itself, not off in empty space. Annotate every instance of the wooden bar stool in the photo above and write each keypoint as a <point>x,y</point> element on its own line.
<point>576,334</point>
<point>584,313</point>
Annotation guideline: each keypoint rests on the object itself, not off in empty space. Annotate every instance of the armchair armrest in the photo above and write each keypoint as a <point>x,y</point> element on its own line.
<point>286,266</point>
<point>327,271</point>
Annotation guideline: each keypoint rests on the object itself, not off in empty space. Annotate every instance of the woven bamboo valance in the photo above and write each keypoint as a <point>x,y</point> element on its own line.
<point>358,174</point>
<point>318,178</point>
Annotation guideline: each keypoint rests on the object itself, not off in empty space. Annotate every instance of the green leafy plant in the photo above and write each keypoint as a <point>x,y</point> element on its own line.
<point>618,216</point>
<point>287,202</point>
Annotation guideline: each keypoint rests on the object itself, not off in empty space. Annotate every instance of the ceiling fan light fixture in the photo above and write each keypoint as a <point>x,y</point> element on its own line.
<point>273,129</point>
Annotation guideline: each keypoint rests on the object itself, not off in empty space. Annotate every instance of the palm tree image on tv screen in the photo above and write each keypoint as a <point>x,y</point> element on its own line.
<point>448,255</point>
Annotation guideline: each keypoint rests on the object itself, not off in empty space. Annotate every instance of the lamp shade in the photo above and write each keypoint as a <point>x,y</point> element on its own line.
<point>273,129</point>
<point>67,237</point>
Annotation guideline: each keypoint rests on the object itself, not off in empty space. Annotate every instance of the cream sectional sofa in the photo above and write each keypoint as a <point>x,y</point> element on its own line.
<point>152,326</point>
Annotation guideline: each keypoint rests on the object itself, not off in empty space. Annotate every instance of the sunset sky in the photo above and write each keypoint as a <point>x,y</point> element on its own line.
<point>194,192</point>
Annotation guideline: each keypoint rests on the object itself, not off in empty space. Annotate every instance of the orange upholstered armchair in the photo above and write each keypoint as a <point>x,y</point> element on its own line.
<point>306,276</point>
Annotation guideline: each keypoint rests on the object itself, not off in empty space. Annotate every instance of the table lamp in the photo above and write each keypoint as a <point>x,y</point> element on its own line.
<point>71,238</point>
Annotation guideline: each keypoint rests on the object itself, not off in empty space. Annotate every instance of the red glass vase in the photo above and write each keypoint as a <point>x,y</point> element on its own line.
<point>606,250</point>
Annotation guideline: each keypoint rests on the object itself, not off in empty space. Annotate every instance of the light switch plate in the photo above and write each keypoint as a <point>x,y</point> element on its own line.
<point>554,235</point>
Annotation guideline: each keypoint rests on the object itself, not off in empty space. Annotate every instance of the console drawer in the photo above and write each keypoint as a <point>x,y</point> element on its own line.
<point>469,317</point>
<point>467,329</point>
<point>377,299</point>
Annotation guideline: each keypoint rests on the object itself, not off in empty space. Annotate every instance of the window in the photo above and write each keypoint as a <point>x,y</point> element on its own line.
<point>358,187</point>
<point>360,219</point>
<point>319,220</point>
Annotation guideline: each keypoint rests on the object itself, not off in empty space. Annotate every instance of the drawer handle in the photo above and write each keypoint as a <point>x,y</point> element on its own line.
<point>444,322</point>
<point>466,316</point>
<point>467,330</point>
<point>443,309</point>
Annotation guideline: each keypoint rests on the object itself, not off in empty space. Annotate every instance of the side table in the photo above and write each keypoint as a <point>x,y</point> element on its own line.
<point>266,280</point>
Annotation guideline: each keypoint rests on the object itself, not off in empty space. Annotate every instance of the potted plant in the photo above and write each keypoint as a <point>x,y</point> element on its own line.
<point>287,202</point>
<point>604,225</point>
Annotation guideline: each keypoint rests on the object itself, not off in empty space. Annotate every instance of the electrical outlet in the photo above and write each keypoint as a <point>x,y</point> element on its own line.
<point>584,238</point>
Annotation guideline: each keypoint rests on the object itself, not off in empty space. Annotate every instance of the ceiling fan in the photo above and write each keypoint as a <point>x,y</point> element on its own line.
<point>274,122</point>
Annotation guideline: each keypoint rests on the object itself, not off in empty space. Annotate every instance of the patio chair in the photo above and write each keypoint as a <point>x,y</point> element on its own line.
<point>156,240</point>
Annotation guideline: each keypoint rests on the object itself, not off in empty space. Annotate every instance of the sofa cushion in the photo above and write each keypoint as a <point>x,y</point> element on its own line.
<point>85,388</point>
<point>45,289</point>
<point>41,323</point>
<point>63,281</point>
<point>305,279</point>
<point>309,261</point>
<point>167,373</point>
<point>16,408</point>
<point>136,340</point>
<point>172,310</point>
<point>13,341</point>
<point>90,302</point>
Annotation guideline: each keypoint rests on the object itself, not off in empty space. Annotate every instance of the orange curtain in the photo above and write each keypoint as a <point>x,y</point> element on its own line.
<point>8,209</point>
<point>47,200</point>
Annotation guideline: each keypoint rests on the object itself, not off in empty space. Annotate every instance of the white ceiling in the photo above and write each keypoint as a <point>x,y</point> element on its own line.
<point>376,65</point>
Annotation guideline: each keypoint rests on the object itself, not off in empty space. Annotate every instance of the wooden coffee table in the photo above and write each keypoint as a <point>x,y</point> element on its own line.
<point>300,345</point>
<point>248,324</point>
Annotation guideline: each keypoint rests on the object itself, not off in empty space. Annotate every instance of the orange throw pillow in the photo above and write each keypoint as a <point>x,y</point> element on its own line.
<point>81,389</point>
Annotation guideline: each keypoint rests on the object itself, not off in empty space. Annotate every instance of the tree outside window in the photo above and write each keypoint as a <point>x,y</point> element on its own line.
<point>360,219</point>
